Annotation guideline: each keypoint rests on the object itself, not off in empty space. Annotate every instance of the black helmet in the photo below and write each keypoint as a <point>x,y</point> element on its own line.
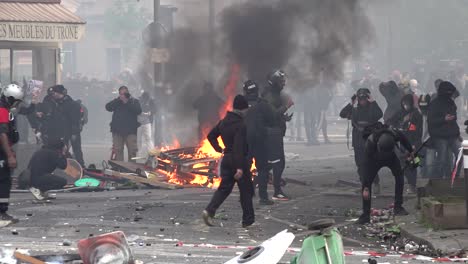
<point>363,93</point>
<point>277,78</point>
<point>386,143</point>
<point>446,88</point>
<point>250,87</point>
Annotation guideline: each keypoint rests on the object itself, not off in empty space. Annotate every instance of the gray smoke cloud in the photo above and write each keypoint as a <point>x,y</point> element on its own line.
<point>314,36</point>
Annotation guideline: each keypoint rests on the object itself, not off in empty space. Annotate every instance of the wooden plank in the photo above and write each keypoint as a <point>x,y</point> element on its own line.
<point>134,178</point>
<point>28,259</point>
<point>130,167</point>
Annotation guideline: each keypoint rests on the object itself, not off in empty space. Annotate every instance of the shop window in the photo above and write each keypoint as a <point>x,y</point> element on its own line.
<point>5,66</point>
<point>22,65</point>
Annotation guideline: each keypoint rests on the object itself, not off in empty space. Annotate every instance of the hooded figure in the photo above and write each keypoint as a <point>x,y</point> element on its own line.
<point>409,121</point>
<point>392,95</point>
<point>443,128</point>
<point>235,165</point>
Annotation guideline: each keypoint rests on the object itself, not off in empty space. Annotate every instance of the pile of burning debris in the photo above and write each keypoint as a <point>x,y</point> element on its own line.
<point>170,168</point>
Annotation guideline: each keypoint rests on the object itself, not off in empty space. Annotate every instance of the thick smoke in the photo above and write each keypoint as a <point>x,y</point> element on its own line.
<point>262,36</point>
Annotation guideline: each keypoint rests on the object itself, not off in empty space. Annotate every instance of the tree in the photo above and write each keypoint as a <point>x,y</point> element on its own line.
<point>123,24</point>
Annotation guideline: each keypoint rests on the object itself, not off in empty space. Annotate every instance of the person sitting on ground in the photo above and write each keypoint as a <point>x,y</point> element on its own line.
<point>41,167</point>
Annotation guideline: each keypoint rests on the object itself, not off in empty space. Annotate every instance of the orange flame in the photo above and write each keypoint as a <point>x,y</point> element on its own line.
<point>230,90</point>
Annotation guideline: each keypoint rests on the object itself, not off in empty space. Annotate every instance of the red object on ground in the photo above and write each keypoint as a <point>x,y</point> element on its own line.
<point>107,248</point>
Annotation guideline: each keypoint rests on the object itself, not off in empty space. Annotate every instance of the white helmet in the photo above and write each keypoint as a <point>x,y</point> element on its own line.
<point>13,91</point>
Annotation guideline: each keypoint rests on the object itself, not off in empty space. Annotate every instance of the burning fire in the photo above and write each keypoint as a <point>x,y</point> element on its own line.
<point>197,172</point>
<point>230,90</point>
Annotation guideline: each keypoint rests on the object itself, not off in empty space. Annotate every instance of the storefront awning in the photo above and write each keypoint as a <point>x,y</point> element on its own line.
<point>38,20</point>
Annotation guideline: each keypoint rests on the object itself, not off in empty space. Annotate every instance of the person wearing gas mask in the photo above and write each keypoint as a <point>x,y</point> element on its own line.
<point>379,152</point>
<point>10,98</point>
<point>281,103</point>
<point>409,121</point>
<point>258,119</point>
<point>124,124</point>
<point>66,121</point>
<point>443,128</point>
<point>235,165</point>
<point>363,112</point>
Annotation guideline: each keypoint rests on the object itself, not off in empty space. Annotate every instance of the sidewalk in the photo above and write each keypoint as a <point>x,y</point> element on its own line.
<point>444,242</point>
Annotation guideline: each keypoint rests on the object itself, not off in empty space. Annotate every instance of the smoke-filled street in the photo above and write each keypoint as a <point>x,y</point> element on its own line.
<point>234,131</point>
<point>156,221</point>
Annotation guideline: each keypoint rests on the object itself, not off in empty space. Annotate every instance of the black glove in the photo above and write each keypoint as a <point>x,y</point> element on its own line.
<point>287,117</point>
<point>466,124</point>
<point>354,97</point>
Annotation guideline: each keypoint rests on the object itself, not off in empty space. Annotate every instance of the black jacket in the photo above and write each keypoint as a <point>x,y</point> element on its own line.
<point>410,123</point>
<point>233,132</point>
<point>124,118</point>
<point>45,161</point>
<point>258,119</point>
<point>361,117</point>
<point>393,97</point>
<point>61,118</point>
<point>279,107</point>
<point>437,125</point>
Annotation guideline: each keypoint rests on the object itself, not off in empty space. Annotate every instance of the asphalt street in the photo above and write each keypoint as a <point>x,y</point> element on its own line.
<point>156,221</point>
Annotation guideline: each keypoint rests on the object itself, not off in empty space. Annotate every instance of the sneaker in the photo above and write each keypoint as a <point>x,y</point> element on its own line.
<point>37,194</point>
<point>400,211</point>
<point>280,197</point>
<point>363,219</point>
<point>4,216</point>
<point>207,218</point>
<point>253,224</point>
<point>266,202</point>
<point>411,190</point>
<point>376,188</point>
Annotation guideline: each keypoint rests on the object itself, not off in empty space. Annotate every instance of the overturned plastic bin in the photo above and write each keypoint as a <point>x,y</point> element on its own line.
<point>324,247</point>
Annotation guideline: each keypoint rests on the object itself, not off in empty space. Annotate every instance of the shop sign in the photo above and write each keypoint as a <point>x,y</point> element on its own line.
<point>44,32</point>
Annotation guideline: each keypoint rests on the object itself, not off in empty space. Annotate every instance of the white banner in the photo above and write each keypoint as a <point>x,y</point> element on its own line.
<point>44,32</point>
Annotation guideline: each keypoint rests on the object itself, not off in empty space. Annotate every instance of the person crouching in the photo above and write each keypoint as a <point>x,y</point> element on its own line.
<point>42,165</point>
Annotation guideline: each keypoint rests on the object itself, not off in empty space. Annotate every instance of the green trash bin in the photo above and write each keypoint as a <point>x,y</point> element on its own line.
<point>325,247</point>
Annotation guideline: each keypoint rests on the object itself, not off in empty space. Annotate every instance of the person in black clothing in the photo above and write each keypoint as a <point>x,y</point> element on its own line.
<point>280,103</point>
<point>208,106</point>
<point>66,121</point>
<point>379,153</point>
<point>363,112</point>
<point>443,128</point>
<point>39,175</point>
<point>124,124</point>
<point>410,122</point>
<point>235,165</point>
<point>392,95</point>
<point>259,118</point>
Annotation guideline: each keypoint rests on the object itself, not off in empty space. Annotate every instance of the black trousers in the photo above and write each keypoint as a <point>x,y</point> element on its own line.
<point>246,190</point>
<point>360,159</point>
<point>276,157</point>
<point>371,168</point>
<point>48,182</point>
<point>77,151</point>
<point>5,186</point>
<point>263,173</point>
